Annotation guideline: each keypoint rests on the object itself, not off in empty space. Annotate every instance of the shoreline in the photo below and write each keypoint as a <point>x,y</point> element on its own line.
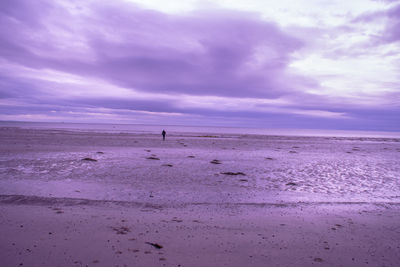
<point>156,129</point>
<point>35,200</point>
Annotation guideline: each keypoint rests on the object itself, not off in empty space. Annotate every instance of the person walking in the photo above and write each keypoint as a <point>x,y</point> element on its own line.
<point>163,135</point>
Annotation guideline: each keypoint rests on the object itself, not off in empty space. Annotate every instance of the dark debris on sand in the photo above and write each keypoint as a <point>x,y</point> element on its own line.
<point>215,161</point>
<point>89,159</point>
<point>233,173</point>
<point>157,246</point>
<point>167,165</point>
<point>154,158</point>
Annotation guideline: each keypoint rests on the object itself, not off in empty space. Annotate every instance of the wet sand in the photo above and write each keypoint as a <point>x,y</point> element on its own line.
<point>70,198</point>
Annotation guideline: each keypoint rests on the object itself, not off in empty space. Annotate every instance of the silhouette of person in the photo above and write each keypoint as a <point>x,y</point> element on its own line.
<point>163,135</point>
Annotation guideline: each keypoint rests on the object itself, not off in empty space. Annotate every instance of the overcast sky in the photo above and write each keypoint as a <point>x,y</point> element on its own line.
<point>328,64</point>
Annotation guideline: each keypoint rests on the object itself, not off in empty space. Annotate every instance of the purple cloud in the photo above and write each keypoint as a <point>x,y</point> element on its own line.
<point>390,17</point>
<point>61,56</point>
<point>205,53</point>
<point>392,32</point>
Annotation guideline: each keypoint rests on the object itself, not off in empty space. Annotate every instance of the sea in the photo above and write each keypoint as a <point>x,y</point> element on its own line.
<point>156,129</point>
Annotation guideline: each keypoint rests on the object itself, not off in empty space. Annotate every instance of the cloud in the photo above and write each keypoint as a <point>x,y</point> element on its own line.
<point>389,18</point>
<point>204,53</point>
<point>120,61</point>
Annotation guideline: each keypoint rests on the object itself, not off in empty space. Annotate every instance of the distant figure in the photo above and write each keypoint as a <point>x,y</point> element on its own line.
<point>163,135</point>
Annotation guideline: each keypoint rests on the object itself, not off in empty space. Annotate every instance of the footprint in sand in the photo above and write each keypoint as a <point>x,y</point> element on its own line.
<point>318,260</point>
<point>123,230</point>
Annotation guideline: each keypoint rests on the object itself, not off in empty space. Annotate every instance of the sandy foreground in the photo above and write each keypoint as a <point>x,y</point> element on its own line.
<point>70,198</point>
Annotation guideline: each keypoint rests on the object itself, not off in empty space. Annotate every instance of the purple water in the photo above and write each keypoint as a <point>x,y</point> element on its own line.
<point>156,129</point>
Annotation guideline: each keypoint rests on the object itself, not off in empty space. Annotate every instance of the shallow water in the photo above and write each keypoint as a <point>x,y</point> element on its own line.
<point>179,129</point>
<point>277,169</point>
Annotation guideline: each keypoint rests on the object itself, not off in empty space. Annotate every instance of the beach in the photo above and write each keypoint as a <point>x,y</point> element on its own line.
<point>118,198</point>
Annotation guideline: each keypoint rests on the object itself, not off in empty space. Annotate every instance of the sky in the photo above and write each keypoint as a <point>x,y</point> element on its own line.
<point>313,64</point>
